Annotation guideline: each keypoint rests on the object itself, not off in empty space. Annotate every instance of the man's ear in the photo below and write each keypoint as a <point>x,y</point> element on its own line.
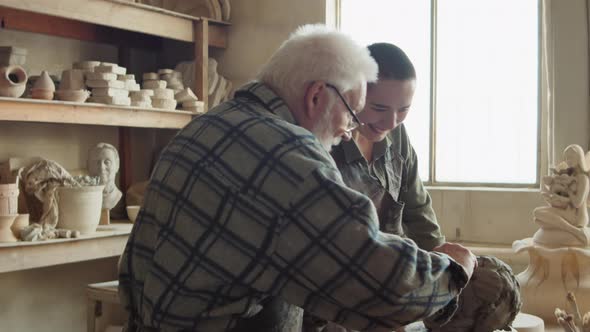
<point>316,100</point>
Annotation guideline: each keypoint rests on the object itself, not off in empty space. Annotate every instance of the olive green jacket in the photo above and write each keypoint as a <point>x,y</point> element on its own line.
<point>392,182</point>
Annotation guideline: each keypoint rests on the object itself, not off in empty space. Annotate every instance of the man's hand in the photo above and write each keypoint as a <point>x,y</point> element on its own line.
<point>460,254</point>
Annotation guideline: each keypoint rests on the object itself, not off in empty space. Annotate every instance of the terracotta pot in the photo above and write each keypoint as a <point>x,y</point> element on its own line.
<point>21,221</point>
<point>8,199</point>
<point>6,234</point>
<point>79,208</point>
<point>13,81</point>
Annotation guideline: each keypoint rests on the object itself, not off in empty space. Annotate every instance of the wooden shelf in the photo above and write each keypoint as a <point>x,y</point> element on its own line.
<point>108,241</point>
<point>119,14</point>
<point>51,111</point>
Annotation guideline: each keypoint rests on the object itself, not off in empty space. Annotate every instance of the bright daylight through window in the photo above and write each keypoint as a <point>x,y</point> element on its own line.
<point>485,94</point>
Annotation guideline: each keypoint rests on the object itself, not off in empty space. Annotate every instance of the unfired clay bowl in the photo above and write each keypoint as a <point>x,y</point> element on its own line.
<point>132,212</point>
<point>78,96</point>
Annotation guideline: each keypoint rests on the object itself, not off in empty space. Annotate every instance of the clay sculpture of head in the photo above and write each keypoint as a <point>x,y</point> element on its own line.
<point>103,161</point>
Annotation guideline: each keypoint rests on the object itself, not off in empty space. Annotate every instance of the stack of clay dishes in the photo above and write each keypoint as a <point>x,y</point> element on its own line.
<point>173,79</point>
<point>44,87</point>
<point>188,100</point>
<point>141,98</point>
<point>163,97</point>
<point>72,87</point>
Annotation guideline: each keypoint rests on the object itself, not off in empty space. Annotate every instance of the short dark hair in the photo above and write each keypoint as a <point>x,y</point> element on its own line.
<point>393,63</point>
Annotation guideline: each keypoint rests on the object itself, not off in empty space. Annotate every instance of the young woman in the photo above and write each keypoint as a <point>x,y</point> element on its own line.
<point>380,160</point>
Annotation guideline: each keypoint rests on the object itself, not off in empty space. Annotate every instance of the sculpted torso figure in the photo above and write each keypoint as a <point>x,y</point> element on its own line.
<point>564,221</point>
<point>103,161</point>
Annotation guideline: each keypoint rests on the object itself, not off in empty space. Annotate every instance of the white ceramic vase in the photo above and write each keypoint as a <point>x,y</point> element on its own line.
<point>8,198</point>
<point>79,208</point>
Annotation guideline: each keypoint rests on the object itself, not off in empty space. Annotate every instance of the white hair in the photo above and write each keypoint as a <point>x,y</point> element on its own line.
<point>315,52</point>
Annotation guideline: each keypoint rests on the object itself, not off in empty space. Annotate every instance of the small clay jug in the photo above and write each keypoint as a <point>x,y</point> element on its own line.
<point>13,81</point>
<point>44,82</point>
<point>43,87</point>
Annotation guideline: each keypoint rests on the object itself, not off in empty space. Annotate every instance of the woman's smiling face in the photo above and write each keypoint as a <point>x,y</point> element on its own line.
<point>387,104</point>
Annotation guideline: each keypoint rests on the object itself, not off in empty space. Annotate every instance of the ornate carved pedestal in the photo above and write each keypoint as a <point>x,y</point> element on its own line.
<point>551,274</point>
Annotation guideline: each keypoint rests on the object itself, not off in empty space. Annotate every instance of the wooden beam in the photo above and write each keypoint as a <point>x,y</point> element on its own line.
<point>15,19</point>
<point>201,32</point>
<point>111,14</point>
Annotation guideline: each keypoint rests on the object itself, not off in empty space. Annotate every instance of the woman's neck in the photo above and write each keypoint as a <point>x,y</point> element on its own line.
<point>365,146</point>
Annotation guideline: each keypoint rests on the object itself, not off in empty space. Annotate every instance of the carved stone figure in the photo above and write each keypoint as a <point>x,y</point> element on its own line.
<point>103,161</point>
<point>559,251</point>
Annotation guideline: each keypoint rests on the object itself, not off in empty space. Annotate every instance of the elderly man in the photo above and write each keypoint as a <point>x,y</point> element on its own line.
<point>247,221</point>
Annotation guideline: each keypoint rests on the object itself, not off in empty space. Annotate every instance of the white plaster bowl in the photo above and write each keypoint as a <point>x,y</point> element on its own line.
<point>79,208</point>
<point>132,211</point>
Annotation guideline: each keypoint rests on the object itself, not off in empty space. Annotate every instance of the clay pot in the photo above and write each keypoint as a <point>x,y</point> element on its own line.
<point>21,221</point>
<point>8,199</point>
<point>6,234</point>
<point>78,96</point>
<point>13,81</point>
<point>79,208</point>
<point>44,82</point>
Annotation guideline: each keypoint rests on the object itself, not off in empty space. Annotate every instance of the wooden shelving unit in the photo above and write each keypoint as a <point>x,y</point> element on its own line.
<point>32,110</point>
<point>124,24</point>
<point>108,241</point>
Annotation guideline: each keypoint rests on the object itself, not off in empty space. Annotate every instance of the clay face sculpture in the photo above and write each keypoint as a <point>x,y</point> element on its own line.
<point>103,161</point>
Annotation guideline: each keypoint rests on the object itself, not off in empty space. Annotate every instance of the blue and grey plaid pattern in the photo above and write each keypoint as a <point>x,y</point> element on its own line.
<point>243,205</point>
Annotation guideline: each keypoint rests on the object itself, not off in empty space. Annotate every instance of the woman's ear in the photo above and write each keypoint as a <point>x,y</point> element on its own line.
<point>315,100</point>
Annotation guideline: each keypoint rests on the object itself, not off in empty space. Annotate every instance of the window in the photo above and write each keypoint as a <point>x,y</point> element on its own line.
<point>475,114</point>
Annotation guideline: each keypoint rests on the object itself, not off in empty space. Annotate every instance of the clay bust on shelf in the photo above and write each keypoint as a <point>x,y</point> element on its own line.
<point>103,161</point>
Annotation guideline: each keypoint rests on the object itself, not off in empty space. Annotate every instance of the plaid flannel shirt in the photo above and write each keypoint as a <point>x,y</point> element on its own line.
<point>244,204</point>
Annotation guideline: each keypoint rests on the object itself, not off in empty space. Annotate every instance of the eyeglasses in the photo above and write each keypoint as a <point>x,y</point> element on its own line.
<point>355,123</point>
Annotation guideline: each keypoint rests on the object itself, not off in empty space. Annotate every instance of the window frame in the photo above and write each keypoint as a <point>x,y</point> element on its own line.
<point>541,168</point>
